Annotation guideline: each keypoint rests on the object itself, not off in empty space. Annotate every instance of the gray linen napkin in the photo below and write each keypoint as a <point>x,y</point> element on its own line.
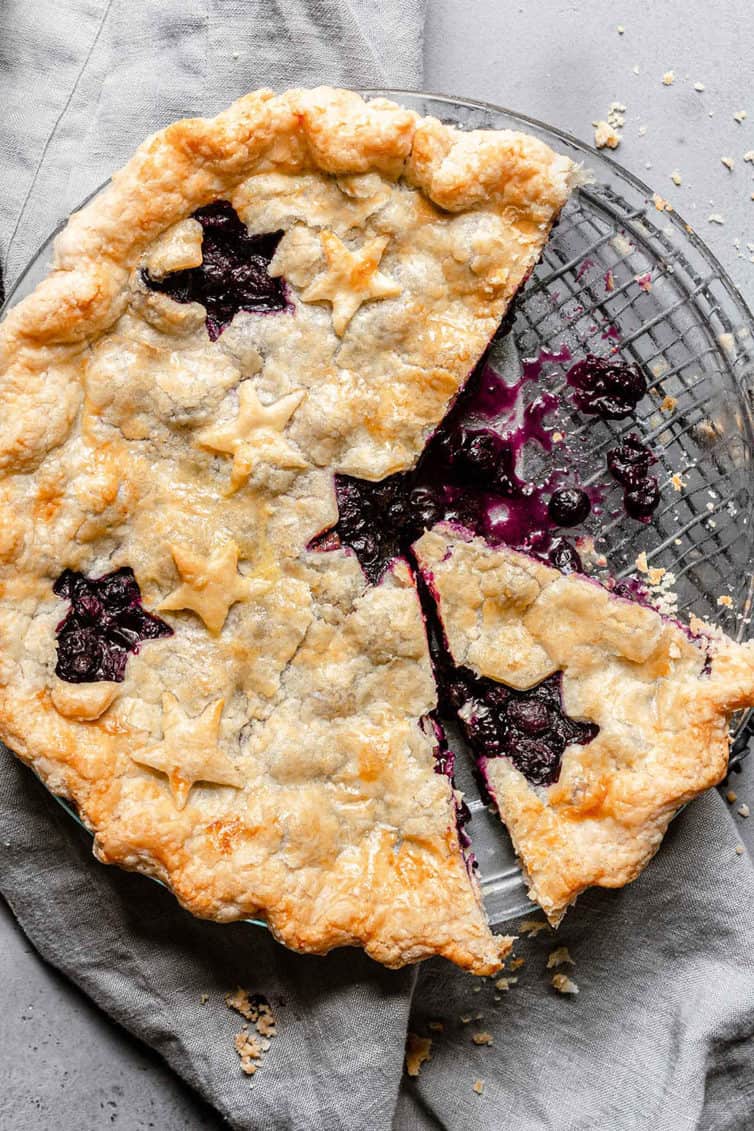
<point>660,1034</point>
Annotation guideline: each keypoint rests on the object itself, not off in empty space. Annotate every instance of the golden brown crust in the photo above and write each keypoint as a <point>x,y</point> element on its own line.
<point>269,758</point>
<point>663,717</point>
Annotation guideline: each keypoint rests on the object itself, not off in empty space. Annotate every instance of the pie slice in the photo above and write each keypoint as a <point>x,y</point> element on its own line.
<point>593,718</point>
<point>295,289</point>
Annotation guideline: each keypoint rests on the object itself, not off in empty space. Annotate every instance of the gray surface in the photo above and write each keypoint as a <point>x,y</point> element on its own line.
<point>563,63</point>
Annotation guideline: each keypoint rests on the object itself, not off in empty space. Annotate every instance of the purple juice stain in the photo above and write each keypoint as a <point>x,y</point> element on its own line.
<point>606,387</point>
<point>234,272</point>
<point>467,475</point>
<point>106,622</point>
<point>529,727</point>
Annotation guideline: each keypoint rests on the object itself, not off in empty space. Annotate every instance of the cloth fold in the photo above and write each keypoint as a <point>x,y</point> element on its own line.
<point>660,1034</point>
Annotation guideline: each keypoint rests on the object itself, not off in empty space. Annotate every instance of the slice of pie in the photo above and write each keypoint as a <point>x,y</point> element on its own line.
<point>593,718</point>
<point>295,289</point>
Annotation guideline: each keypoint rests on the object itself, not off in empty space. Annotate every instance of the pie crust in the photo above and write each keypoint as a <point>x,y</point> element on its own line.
<point>271,757</point>
<point>661,698</point>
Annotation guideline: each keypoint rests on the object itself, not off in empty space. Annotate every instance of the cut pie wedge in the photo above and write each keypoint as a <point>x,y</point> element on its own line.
<point>593,718</point>
<point>294,289</point>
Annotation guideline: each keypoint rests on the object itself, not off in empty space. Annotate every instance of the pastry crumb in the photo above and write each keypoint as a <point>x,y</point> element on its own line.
<point>644,281</point>
<point>699,87</point>
<point>620,29</point>
<point>563,984</point>
<point>744,810</point>
<point>740,116</point>
<point>641,562</point>
<point>560,957</point>
<point>418,1050</point>
<point>517,963</point>
<point>668,78</point>
<point>249,1050</point>
<point>731,795</point>
<point>660,203</point>
<point>605,136</point>
<point>749,156</point>
<point>478,1087</point>
<point>504,984</point>
<point>482,1038</point>
<point>726,600</point>
<point>436,1026</point>
<point>465,1018</point>
<point>533,926</point>
<point>675,177</point>
<point>740,850</point>
<point>668,404</point>
<point>716,218</point>
<point>728,162</point>
<point>203,999</point>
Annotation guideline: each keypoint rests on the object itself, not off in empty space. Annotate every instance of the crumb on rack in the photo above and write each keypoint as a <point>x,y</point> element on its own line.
<point>418,1050</point>
<point>644,281</point>
<point>726,600</point>
<point>533,926</point>
<point>605,136</point>
<point>744,810</point>
<point>482,1038</point>
<point>660,203</point>
<point>517,963</point>
<point>641,562</point>
<point>559,957</point>
<point>478,1087</point>
<point>563,984</point>
<point>677,481</point>
<point>436,1026</point>
<point>668,78</point>
<point>668,404</point>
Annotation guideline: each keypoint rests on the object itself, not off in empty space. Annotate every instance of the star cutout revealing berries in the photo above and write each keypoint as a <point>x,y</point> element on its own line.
<point>234,272</point>
<point>209,585</point>
<point>188,752</point>
<point>106,621</point>
<point>256,434</point>
<point>351,278</point>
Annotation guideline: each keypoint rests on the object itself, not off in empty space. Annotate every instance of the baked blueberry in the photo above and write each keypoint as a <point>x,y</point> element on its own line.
<point>629,462</point>
<point>642,498</point>
<point>605,387</point>
<point>565,557</point>
<point>569,506</point>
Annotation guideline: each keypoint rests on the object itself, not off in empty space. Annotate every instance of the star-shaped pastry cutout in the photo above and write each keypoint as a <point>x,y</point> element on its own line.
<point>188,752</point>
<point>352,277</point>
<point>209,586</point>
<point>256,434</point>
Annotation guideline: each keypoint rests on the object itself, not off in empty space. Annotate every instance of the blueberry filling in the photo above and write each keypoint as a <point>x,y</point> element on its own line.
<point>565,557</point>
<point>629,464</point>
<point>528,727</point>
<point>606,388</point>
<point>106,621</point>
<point>233,274</point>
<point>569,506</point>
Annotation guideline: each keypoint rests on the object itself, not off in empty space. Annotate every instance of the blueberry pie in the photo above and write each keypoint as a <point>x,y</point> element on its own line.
<point>266,315</point>
<point>592,718</point>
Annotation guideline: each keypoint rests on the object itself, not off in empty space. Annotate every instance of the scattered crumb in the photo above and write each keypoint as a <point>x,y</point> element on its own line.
<point>436,1026</point>
<point>557,437</point>
<point>517,963</point>
<point>482,1038</point>
<point>563,984</point>
<point>668,404</point>
<point>740,850</point>
<point>609,281</point>
<point>725,600</point>
<point>620,29</point>
<point>249,1050</point>
<point>478,1087</point>
<point>655,575</point>
<point>240,1001</point>
<point>661,204</point>
<point>731,795</point>
<point>716,218</point>
<point>675,177</point>
<point>605,136</point>
<point>533,926</point>
<point>668,78</point>
<point>635,69</point>
<point>418,1050</point>
<point>727,162</point>
<point>203,999</point>
<point>699,87</point>
<point>559,957</point>
<point>641,562</point>
<point>504,984</point>
<point>749,156</point>
<point>740,116</point>
<point>744,811</point>
<point>644,281</point>
<point>678,482</point>
<point>465,1018</point>
<point>642,131</point>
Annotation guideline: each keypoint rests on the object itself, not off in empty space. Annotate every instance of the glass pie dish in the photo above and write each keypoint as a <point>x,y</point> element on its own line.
<point>622,272</point>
